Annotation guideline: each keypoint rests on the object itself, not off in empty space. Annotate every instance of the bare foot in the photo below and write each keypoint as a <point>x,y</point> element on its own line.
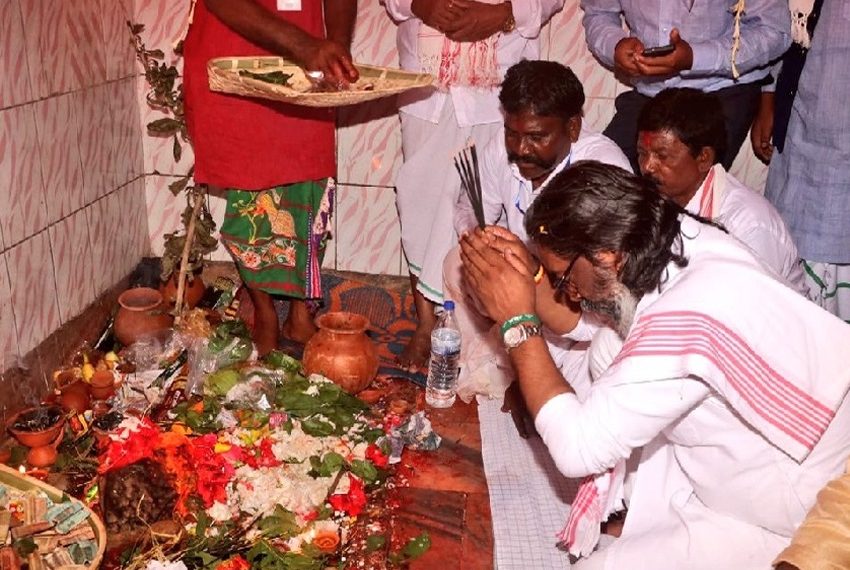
<point>418,350</point>
<point>265,332</point>
<point>298,326</point>
<point>415,355</point>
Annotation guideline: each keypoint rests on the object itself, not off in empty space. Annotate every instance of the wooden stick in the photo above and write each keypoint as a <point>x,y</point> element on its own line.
<point>184,260</point>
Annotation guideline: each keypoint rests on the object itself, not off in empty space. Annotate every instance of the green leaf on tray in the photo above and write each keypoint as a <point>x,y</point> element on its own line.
<point>273,77</point>
<point>263,556</point>
<point>280,524</point>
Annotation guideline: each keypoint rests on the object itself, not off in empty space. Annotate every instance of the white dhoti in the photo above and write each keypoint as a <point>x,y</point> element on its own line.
<point>428,188</point>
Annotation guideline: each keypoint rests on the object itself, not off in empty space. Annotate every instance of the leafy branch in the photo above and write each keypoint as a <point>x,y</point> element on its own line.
<point>184,249</point>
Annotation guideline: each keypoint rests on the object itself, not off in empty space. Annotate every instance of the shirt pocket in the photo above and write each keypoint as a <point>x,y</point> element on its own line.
<point>707,20</point>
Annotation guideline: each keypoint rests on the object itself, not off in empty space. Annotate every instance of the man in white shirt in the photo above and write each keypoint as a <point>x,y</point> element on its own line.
<point>733,385</point>
<point>681,137</point>
<point>543,134</point>
<point>467,46</point>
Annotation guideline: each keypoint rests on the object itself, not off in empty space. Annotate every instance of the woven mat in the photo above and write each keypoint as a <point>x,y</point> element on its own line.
<point>529,498</point>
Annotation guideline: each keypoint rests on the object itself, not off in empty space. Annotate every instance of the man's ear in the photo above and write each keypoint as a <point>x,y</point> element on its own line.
<point>706,159</point>
<point>574,127</point>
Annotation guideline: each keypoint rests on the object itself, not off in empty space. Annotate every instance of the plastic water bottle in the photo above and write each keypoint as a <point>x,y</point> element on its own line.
<point>441,389</point>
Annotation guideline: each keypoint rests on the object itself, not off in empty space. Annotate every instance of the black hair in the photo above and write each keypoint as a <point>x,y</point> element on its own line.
<point>694,117</point>
<point>592,207</point>
<point>547,88</point>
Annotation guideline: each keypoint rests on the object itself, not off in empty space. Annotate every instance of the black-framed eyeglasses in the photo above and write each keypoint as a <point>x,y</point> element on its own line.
<point>559,284</point>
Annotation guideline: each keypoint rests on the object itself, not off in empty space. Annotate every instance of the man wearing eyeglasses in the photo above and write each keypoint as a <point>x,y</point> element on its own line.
<point>542,135</point>
<point>731,386</point>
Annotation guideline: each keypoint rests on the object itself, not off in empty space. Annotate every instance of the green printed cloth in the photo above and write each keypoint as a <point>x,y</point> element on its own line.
<point>277,236</point>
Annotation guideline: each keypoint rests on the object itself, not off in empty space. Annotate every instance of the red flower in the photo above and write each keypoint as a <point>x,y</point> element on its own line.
<point>139,444</point>
<point>376,455</point>
<point>353,502</point>
<point>213,470</point>
<point>235,563</point>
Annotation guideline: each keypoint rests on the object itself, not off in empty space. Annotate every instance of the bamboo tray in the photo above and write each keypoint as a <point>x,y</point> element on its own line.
<point>374,83</point>
<point>12,478</point>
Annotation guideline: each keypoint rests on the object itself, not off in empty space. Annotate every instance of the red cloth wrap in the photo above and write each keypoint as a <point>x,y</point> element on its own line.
<point>249,143</point>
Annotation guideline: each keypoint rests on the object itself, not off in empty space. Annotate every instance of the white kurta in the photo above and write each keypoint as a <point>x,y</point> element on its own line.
<point>753,220</point>
<point>731,464</point>
<point>435,125</point>
<point>485,368</point>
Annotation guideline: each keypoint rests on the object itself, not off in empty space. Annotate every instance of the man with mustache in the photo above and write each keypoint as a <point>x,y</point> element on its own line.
<point>681,138</point>
<point>731,384</point>
<point>542,135</point>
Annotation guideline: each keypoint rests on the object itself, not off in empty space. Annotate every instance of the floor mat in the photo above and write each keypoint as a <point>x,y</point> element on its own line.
<point>391,313</point>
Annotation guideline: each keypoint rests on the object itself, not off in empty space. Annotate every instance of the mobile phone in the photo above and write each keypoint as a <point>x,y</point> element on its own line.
<point>659,51</point>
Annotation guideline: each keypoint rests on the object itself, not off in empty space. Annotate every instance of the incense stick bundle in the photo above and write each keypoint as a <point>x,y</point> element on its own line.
<point>466,163</point>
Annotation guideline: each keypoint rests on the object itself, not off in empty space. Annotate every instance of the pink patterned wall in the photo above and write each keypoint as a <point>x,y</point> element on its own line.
<point>71,193</point>
<point>368,140</point>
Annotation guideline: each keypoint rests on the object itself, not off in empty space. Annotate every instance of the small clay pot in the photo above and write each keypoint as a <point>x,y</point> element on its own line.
<point>193,291</point>
<point>342,352</point>
<point>75,397</point>
<point>142,314</point>
<point>102,384</point>
<point>43,442</point>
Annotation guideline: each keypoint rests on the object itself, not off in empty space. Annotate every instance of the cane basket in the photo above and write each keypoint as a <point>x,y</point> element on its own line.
<point>374,82</point>
<point>12,478</point>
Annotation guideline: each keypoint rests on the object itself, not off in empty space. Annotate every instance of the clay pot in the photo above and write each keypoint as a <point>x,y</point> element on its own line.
<point>102,384</point>
<point>43,442</point>
<point>75,397</point>
<point>142,313</point>
<point>342,352</point>
<point>193,291</point>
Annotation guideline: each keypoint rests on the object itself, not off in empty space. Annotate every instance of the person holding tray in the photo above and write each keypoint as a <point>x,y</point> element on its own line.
<point>467,46</point>
<point>275,161</point>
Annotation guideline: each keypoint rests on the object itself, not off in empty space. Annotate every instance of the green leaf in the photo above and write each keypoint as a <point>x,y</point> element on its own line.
<point>164,127</point>
<point>280,361</point>
<point>328,465</point>
<point>263,556</point>
<point>273,77</point>
<point>177,149</point>
<point>416,546</point>
<point>375,542</point>
<point>24,547</point>
<point>280,524</point>
<point>178,185</point>
<point>317,427</point>
<point>219,383</point>
<point>365,470</point>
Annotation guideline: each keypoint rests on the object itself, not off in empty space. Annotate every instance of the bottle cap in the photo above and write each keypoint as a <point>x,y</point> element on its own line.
<point>449,305</point>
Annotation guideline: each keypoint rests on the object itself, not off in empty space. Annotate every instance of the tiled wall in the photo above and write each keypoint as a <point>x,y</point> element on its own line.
<point>72,203</point>
<point>369,153</point>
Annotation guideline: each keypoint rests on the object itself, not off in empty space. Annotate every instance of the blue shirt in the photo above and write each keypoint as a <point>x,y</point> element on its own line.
<point>809,181</point>
<point>707,25</point>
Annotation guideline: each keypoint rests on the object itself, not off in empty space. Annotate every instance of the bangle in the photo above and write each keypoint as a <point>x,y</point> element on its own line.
<point>515,320</point>
<point>538,277</point>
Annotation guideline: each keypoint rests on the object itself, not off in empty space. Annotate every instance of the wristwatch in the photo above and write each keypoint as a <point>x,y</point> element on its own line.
<point>518,334</point>
<point>510,23</point>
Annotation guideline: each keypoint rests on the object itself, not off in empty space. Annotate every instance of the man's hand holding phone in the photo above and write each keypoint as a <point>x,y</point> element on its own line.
<point>665,60</point>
